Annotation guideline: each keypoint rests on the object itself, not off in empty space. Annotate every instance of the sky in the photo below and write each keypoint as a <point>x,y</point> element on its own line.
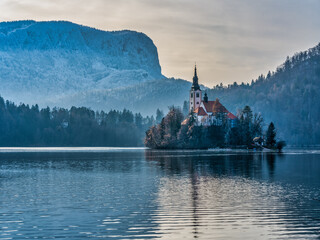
<point>230,40</point>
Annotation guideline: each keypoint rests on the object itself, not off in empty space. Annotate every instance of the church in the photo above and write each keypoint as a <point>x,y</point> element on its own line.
<point>206,112</point>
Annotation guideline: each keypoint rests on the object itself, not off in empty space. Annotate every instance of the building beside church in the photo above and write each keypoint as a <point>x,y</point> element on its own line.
<point>207,112</point>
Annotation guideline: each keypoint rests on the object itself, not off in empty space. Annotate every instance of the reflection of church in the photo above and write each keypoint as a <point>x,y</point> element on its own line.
<point>205,111</point>
<point>201,194</point>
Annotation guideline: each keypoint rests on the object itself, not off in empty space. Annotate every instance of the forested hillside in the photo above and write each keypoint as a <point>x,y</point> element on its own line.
<point>144,97</point>
<point>289,96</point>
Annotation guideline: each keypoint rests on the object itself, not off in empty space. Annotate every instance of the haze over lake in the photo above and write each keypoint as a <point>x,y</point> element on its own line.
<point>142,194</point>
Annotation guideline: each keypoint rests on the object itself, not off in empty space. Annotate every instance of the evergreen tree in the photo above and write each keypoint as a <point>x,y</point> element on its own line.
<point>233,137</point>
<point>173,121</point>
<point>245,126</point>
<point>185,109</point>
<point>138,120</point>
<point>162,129</point>
<point>257,125</point>
<point>159,115</point>
<point>269,75</point>
<point>271,135</point>
<point>192,118</point>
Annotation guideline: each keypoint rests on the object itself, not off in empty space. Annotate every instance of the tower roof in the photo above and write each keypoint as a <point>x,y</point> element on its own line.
<point>205,99</point>
<point>195,84</point>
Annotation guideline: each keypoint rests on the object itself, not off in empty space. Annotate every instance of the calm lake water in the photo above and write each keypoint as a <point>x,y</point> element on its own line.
<point>81,193</point>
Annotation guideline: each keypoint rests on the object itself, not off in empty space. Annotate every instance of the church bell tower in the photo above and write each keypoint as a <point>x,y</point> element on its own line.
<point>195,93</point>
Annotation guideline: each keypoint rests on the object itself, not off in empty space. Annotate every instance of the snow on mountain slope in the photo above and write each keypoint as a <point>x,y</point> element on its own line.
<point>48,60</point>
<point>143,97</point>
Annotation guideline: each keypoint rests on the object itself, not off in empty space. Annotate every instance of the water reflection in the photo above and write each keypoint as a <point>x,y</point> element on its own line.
<point>233,196</point>
<point>245,164</point>
<point>76,195</point>
<point>159,194</point>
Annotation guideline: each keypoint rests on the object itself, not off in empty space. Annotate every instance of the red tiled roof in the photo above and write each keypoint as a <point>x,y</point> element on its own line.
<point>200,112</point>
<point>208,105</point>
<point>231,116</point>
<point>217,107</point>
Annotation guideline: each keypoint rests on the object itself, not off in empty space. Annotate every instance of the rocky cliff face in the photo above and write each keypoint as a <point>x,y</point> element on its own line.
<point>41,61</point>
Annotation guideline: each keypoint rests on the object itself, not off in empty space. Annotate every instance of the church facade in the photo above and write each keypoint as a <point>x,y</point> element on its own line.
<point>207,112</point>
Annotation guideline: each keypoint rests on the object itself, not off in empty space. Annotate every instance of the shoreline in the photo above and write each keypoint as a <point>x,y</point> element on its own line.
<point>287,150</point>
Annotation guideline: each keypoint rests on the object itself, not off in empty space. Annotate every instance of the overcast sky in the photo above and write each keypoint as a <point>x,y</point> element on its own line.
<point>231,40</point>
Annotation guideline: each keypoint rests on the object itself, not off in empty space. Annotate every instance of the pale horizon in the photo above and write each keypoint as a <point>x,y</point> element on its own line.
<point>230,41</point>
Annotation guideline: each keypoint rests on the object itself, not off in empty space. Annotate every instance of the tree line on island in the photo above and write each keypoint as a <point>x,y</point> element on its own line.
<point>170,133</point>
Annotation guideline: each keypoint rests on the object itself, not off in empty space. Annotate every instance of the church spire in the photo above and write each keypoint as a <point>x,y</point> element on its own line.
<point>195,92</point>
<point>195,84</point>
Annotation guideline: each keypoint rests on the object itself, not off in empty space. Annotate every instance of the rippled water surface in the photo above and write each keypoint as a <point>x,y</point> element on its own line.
<point>141,194</point>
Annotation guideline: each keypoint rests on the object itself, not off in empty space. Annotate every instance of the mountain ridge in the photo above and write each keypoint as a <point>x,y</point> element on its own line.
<point>60,57</point>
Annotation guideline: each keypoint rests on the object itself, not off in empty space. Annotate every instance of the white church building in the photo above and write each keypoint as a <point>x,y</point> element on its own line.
<point>206,112</point>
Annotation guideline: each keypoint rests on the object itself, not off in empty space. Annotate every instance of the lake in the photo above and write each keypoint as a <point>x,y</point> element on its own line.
<point>114,193</point>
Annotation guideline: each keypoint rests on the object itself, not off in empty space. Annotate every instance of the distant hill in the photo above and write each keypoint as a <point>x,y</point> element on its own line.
<point>42,61</point>
<point>289,96</point>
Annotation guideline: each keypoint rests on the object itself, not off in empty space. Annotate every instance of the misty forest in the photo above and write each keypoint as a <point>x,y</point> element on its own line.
<point>289,97</point>
<point>28,126</point>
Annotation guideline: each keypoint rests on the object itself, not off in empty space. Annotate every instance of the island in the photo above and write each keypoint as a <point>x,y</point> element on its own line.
<point>210,125</point>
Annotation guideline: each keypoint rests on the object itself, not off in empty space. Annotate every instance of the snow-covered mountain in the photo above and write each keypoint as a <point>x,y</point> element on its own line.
<point>48,62</point>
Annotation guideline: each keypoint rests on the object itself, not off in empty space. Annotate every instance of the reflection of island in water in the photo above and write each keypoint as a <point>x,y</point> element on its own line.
<point>230,196</point>
<point>206,163</point>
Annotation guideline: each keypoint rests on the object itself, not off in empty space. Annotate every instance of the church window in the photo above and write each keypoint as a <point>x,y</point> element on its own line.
<point>192,95</point>
<point>197,94</point>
